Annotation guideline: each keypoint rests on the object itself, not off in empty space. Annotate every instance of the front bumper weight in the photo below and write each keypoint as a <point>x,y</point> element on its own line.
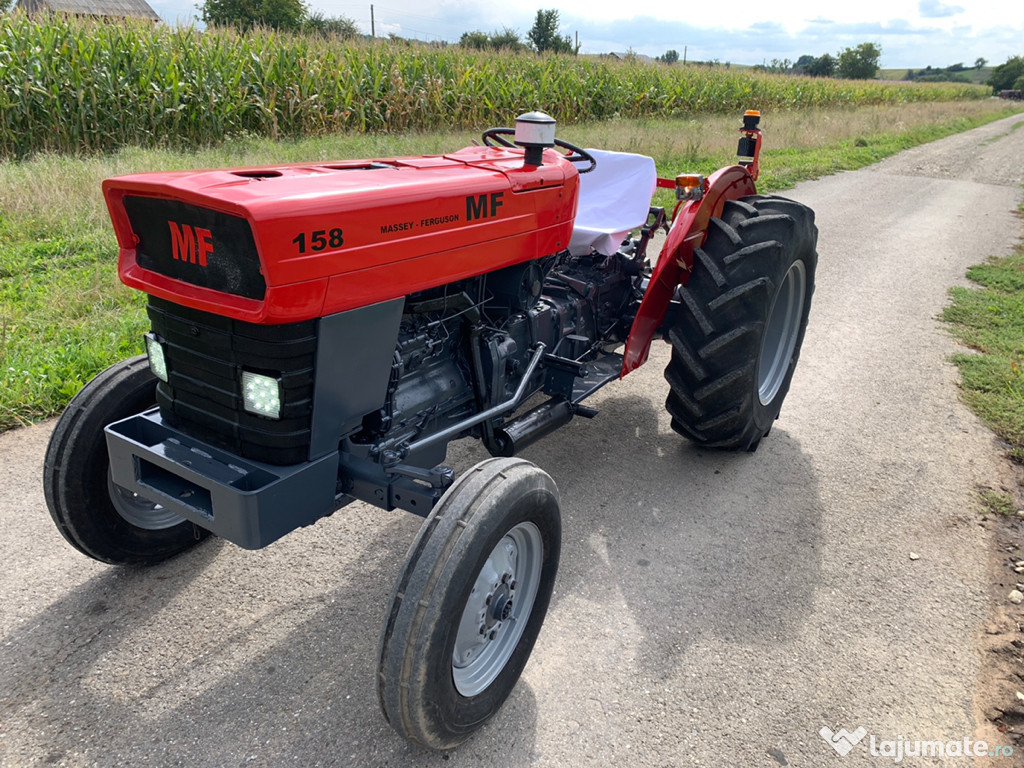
<point>249,503</point>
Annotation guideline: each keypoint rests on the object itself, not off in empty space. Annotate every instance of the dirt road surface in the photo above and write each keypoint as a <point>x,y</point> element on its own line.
<point>711,610</point>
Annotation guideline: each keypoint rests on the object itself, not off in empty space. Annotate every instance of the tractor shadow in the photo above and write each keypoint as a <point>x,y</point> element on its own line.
<point>666,545</point>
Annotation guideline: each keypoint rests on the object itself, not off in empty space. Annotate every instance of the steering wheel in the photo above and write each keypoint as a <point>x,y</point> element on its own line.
<point>496,137</point>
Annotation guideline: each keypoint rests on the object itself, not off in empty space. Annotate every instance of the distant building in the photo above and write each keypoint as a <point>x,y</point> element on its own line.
<point>627,55</point>
<point>116,9</point>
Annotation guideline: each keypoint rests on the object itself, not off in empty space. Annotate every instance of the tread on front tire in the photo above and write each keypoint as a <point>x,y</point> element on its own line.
<point>468,605</point>
<point>738,332</point>
<point>99,519</point>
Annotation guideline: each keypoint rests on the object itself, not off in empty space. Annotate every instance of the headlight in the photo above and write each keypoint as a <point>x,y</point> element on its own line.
<point>157,360</point>
<point>261,394</point>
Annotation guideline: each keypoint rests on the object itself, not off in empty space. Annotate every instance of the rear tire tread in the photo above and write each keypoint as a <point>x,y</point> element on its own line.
<point>719,329</point>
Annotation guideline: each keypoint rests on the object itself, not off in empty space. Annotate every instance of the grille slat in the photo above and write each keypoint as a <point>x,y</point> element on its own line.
<point>205,356</point>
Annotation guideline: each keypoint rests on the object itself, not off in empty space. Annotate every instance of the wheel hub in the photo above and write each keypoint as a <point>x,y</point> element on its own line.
<point>140,511</point>
<point>501,604</point>
<point>498,607</point>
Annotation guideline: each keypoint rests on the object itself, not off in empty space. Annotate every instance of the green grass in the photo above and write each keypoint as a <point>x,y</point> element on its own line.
<point>990,320</point>
<point>996,503</point>
<point>64,316</point>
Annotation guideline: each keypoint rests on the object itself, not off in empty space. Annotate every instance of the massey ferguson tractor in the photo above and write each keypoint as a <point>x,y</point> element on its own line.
<point>320,333</point>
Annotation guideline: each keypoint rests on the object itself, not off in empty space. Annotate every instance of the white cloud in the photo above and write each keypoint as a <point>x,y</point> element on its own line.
<point>936,9</point>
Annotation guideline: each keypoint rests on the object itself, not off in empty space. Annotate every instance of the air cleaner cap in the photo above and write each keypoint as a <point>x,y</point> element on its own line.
<point>535,129</point>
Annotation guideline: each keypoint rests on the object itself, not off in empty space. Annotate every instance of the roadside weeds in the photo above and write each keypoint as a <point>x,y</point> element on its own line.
<point>989,321</point>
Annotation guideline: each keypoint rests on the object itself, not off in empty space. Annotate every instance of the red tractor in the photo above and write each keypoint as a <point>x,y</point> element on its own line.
<point>320,333</point>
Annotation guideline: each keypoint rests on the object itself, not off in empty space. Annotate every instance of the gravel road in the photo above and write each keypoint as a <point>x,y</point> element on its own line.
<point>711,610</point>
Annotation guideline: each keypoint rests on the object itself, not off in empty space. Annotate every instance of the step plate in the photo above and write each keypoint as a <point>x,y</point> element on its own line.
<point>599,373</point>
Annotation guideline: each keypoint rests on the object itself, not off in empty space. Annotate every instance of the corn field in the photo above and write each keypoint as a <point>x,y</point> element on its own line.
<point>79,86</point>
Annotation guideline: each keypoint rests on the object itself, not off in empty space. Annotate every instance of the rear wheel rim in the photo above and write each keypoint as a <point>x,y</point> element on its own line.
<point>781,333</point>
<point>140,511</point>
<point>498,609</point>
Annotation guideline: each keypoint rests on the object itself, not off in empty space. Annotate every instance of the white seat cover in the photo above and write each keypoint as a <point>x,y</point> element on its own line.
<point>614,198</point>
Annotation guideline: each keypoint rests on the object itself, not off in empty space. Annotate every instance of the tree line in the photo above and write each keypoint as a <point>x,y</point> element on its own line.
<point>287,15</point>
<point>543,37</point>
<point>858,63</point>
<point>954,73</point>
<point>1008,76</point>
<point>293,15</point>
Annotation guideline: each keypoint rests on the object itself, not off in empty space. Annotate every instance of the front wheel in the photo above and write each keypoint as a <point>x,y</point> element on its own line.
<point>97,517</point>
<point>468,606</point>
<point>738,332</point>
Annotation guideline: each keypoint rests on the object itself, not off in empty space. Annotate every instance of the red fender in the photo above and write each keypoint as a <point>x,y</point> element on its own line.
<point>676,259</point>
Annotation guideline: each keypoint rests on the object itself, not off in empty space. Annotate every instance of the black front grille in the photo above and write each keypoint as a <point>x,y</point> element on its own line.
<point>205,357</point>
<point>196,245</point>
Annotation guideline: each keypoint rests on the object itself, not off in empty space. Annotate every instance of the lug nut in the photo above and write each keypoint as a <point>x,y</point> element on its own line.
<point>483,629</point>
<point>494,634</point>
<point>512,584</point>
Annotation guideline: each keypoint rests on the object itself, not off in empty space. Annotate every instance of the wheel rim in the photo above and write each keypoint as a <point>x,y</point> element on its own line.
<point>138,510</point>
<point>498,609</point>
<point>781,332</point>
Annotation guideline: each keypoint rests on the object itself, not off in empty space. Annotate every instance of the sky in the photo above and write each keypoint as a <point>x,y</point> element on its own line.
<point>911,33</point>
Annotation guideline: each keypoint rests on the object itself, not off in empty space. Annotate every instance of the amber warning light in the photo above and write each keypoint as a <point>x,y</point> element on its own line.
<point>689,186</point>
<point>750,142</point>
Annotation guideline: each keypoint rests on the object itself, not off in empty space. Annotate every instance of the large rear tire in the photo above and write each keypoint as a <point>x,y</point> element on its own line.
<point>468,606</point>
<point>98,518</point>
<point>737,335</point>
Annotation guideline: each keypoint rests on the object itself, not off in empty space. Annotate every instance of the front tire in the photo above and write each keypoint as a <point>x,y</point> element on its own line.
<point>468,606</point>
<point>737,335</point>
<point>98,518</point>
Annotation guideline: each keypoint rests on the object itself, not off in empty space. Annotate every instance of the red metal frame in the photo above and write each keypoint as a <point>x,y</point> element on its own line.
<point>689,227</point>
<point>690,223</point>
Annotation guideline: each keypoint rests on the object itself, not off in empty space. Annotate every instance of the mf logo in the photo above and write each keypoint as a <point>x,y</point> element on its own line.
<point>842,741</point>
<point>476,207</point>
<point>191,244</point>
